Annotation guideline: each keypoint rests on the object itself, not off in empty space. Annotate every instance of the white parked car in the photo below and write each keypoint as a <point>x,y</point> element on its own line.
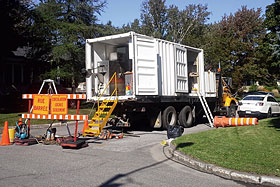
<point>261,106</point>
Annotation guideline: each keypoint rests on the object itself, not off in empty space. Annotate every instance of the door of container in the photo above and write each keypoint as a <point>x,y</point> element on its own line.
<point>145,66</point>
<point>181,69</point>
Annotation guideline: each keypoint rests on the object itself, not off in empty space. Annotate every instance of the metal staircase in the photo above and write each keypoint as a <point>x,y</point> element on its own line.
<point>104,110</point>
<point>206,109</point>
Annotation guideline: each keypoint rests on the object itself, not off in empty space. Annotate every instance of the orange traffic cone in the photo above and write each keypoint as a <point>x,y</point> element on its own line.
<point>85,126</point>
<point>5,135</point>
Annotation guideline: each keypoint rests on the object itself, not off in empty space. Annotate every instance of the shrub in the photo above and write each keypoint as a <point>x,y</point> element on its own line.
<point>253,88</point>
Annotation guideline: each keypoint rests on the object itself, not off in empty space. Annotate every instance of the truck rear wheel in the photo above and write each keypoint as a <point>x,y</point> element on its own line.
<point>169,117</point>
<point>154,119</point>
<point>186,117</point>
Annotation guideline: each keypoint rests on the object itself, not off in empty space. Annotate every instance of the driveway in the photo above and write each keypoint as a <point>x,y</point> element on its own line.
<point>136,160</point>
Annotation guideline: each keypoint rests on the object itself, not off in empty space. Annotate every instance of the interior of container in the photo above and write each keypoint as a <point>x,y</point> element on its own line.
<point>112,56</point>
<point>192,57</point>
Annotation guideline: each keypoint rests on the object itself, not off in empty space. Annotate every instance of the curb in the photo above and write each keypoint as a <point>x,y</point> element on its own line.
<point>222,172</point>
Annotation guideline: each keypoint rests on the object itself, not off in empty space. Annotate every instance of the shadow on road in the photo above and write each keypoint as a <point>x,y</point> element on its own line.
<point>112,182</point>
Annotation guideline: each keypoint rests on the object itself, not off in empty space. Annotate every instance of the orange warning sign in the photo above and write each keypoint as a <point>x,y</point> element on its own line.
<point>59,104</point>
<point>41,104</point>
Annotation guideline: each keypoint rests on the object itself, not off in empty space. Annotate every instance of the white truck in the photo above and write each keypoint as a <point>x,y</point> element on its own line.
<point>158,81</point>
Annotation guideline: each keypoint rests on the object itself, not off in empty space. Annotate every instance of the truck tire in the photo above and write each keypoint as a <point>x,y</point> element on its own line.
<point>155,120</point>
<point>169,117</point>
<point>186,117</point>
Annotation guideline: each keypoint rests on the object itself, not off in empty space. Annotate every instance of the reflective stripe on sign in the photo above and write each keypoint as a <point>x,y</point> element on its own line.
<point>68,117</point>
<point>69,96</point>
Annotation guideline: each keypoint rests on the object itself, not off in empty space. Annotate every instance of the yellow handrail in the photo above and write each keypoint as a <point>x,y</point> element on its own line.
<point>115,92</point>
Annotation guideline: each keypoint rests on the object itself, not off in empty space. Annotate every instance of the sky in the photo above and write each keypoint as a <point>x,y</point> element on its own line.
<point>121,12</point>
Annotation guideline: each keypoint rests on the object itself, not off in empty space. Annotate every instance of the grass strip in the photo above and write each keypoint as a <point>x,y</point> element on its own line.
<point>12,118</point>
<point>253,149</point>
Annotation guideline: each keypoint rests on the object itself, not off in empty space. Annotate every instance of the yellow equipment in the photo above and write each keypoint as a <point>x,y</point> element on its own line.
<point>104,111</point>
<point>229,103</point>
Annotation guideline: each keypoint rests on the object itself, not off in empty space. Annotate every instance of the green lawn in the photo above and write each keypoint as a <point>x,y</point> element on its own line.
<point>12,118</point>
<point>254,149</point>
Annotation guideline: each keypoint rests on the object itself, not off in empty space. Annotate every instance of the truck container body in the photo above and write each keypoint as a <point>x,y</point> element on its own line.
<point>156,67</point>
<point>149,70</point>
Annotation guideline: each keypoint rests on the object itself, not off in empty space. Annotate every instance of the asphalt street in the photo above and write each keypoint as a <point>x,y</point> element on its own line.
<point>136,160</point>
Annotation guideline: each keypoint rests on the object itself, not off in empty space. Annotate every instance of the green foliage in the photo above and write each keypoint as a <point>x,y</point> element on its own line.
<point>253,88</point>
<point>154,18</point>
<point>272,41</point>
<point>234,43</point>
<point>60,29</point>
<point>12,118</point>
<point>187,26</point>
<point>134,26</point>
<point>270,88</point>
<point>245,43</point>
<point>14,16</point>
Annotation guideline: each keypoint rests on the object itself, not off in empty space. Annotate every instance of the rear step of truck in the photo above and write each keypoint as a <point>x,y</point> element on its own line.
<point>206,109</point>
<point>104,111</point>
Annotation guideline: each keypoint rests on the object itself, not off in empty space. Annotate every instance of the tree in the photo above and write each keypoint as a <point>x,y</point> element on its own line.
<point>236,39</point>
<point>272,40</point>
<point>188,24</point>
<point>185,26</point>
<point>154,18</point>
<point>15,20</point>
<point>134,26</point>
<point>59,31</point>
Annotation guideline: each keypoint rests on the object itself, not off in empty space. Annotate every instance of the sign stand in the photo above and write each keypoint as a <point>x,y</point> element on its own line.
<point>54,106</point>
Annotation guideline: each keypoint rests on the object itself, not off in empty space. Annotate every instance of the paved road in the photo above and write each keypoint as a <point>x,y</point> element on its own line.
<point>136,160</point>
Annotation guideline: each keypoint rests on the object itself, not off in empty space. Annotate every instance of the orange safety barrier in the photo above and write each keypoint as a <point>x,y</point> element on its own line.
<point>232,122</point>
<point>69,96</point>
<point>5,136</point>
<point>54,116</point>
<point>53,106</point>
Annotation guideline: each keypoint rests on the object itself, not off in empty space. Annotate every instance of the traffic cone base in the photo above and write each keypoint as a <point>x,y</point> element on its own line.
<point>5,135</point>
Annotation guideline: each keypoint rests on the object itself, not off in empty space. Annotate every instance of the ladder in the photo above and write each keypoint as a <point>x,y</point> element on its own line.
<point>206,109</point>
<point>104,111</point>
